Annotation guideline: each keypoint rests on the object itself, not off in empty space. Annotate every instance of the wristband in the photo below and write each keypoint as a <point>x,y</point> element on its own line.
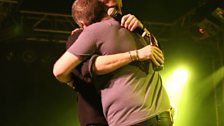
<point>134,57</point>
<point>131,57</point>
<point>137,57</point>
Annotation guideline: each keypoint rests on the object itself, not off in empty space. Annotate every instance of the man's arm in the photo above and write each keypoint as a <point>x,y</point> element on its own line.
<point>64,65</point>
<point>109,63</point>
<point>105,64</point>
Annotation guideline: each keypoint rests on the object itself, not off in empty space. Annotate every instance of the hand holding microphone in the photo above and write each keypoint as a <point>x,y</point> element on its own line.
<point>128,21</point>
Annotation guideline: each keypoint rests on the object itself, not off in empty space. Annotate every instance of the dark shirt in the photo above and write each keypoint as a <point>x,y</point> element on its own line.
<point>89,105</point>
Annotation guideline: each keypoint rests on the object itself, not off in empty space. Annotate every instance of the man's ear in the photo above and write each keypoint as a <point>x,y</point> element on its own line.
<point>82,24</point>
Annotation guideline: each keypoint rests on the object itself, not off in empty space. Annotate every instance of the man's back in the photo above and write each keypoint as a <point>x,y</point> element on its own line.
<point>129,94</point>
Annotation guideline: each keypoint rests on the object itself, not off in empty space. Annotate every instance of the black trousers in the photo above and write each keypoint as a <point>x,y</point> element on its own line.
<point>163,119</point>
<point>90,111</point>
<point>97,125</point>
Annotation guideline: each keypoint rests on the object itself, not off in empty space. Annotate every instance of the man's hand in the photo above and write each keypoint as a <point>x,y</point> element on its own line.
<point>152,53</point>
<point>130,22</point>
<point>76,30</point>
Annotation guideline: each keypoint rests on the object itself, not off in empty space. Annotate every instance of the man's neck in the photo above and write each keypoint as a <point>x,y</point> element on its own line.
<point>106,18</point>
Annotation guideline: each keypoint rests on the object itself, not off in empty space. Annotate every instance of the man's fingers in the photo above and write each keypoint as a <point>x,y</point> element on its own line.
<point>155,61</point>
<point>159,53</point>
<point>75,30</point>
<point>157,56</point>
<point>159,59</point>
<point>132,26</point>
<point>124,19</point>
<point>128,21</point>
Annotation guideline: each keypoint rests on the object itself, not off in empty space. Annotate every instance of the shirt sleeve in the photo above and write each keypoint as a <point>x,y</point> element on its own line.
<point>91,65</point>
<point>72,38</point>
<point>85,45</point>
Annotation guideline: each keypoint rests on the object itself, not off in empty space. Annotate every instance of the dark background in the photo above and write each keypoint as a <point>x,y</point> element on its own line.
<point>33,35</point>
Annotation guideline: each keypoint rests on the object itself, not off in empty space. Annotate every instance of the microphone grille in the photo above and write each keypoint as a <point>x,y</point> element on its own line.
<point>112,12</point>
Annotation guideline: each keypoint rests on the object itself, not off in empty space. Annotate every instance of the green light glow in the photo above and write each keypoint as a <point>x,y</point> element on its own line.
<point>180,76</point>
<point>174,85</point>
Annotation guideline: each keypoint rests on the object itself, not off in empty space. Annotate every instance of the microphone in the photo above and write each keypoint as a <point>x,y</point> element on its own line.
<point>117,16</point>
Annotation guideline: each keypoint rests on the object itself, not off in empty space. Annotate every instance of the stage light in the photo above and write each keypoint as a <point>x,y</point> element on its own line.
<point>211,24</point>
<point>209,27</point>
<point>180,76</point>
<point>174,84</point>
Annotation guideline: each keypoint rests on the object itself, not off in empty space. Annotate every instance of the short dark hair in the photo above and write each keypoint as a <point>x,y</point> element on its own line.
<point>88,11</point>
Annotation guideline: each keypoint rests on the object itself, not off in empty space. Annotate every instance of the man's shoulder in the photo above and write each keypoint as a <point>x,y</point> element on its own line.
<point>102,24</point>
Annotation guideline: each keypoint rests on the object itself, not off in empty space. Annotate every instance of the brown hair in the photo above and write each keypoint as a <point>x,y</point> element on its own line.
<point>88,11</point>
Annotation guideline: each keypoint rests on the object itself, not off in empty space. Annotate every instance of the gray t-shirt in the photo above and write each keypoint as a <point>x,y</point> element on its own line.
<point>131,94</point>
